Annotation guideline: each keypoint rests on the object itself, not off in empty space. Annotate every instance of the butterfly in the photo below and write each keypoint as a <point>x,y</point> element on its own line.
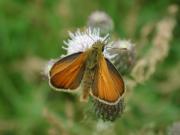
<point>96,75</point>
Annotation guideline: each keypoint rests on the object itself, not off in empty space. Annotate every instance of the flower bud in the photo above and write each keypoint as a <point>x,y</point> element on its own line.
<point>99,19</point>
<point>122,55</point>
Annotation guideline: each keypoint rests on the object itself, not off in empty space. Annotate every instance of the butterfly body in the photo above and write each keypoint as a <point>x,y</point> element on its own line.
<point>96,74</point>
<point>93,55</point>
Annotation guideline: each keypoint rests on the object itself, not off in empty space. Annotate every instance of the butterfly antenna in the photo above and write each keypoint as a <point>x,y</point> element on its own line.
<point>89,35</point>
<point>121,49</point>
<point>105,38</point>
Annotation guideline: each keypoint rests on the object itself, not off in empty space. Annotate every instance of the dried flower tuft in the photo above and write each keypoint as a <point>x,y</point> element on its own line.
<point>175,129</point>
<point>146,66</point>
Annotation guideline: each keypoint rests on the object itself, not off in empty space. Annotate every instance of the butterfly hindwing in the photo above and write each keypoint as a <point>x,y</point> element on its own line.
<point>108,85</point>
<point>67,73</point>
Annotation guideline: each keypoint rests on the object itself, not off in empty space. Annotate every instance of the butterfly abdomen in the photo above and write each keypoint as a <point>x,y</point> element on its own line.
<point>87,82</point>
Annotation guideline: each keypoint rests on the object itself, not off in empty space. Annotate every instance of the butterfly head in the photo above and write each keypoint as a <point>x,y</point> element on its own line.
<point>99,46</point>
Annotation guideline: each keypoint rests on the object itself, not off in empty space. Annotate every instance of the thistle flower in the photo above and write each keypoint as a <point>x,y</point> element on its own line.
<point>81,42</point>
<point>100,19</point>
<point>122,55</point>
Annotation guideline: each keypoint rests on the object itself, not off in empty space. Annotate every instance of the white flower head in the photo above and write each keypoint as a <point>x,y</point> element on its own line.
<point>81,41</point>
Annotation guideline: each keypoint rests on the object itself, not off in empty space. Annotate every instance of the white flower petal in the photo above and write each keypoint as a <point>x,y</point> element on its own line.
<point>81,41</point>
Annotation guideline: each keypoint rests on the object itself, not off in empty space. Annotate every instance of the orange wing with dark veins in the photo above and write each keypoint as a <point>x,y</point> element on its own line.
<point>108,85</point>
<point>67,73</point>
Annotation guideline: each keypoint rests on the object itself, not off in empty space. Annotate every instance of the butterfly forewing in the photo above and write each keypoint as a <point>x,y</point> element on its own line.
<point>108,85</point>
<point>67,73</point>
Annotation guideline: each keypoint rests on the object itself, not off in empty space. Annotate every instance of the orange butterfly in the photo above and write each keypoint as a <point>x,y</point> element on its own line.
<point>97,75</point>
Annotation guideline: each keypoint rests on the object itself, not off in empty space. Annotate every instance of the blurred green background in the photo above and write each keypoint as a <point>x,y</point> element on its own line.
<point>32,32</point>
